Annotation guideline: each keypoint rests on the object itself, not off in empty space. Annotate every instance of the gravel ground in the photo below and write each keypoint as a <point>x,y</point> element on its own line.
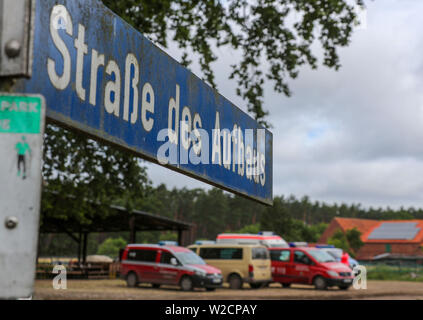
<point>116,289</point>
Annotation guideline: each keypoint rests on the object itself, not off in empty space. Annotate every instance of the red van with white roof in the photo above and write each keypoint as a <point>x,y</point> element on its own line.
<point>167,265</point>
<point>309,266</point>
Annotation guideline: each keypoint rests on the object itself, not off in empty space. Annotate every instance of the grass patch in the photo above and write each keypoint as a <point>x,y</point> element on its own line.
<point>394,273</point>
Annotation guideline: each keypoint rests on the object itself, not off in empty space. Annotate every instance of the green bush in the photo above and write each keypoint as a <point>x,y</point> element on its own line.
<point>349,242</point>
<point>168,236</point>
<point>251,228</point>
<point>339,240</point>
<point>354,239</point>
<point>111,246</point>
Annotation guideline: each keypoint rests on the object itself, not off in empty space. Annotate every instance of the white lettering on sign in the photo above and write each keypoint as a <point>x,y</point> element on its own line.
<point>81,50</point>
<point>112,87</point>
<point>60,82</point>
<point>216,142</point>
<point>131,61</point>
<point>21,106</point>
<point>174,107</point>
<point>238,150</point>
<point>147,105</point>
<point>97,61</point>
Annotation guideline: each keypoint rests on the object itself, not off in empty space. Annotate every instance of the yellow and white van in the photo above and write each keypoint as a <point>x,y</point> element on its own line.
<point>239,263</point>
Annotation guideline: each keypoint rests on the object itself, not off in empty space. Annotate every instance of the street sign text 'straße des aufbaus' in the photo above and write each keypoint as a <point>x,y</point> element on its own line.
<point>102,77</point>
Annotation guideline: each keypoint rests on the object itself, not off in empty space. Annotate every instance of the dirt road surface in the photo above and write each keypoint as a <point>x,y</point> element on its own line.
<point>117,289</point>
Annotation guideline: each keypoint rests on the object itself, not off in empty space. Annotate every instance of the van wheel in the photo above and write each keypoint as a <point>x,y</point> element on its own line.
<point>155,285</point>
<point>235,282</point>
<point>186,284</point>
<point>344,287</point>
<point>286,285</point>
<point>320,283</point>
<point>131,280</point>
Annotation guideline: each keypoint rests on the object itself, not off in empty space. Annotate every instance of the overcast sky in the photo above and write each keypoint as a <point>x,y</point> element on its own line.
<point>352,136</point>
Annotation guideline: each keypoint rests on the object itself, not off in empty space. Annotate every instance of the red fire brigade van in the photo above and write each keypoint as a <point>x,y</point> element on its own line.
<point>170,265</point>
<point>309,266</point>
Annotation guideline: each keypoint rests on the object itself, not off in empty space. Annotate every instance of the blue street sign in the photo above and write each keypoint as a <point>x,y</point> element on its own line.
<point>102,77</point>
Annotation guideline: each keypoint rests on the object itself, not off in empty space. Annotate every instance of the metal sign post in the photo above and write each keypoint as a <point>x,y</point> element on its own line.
<point>21,140</point>
<point>16,25</point>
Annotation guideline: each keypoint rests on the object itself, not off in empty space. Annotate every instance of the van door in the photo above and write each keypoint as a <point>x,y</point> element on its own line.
<point>282,266</point>
<point>302,265</point>
<point>168,273</point>
<point>227,259</point>
<point>143,261</point>
<point>260,260</point>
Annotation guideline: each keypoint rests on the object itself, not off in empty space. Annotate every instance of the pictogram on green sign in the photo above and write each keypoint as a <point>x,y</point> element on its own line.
<point>20,114</point>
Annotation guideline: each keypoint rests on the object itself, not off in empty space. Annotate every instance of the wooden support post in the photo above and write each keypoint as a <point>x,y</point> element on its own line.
<point>180,231</point>
<point>79,248</point>
<point>84,247</point>
<point>132,231</point>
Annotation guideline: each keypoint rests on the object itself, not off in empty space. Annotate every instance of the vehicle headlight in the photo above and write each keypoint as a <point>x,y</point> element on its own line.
<point>333,273</point>
<point>200,273</point>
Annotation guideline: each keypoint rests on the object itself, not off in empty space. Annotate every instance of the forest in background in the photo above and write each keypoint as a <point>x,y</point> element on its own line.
<point>215,211</point>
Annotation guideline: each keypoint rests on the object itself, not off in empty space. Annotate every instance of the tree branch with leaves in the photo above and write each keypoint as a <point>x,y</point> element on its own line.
<point>271,39</point>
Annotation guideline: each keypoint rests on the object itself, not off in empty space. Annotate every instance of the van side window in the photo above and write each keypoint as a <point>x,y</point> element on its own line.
<point>165,257</point>
<point>260,253</point>
<point>280,255</point>
<point>301,257</point>
<point>142,255</point>
<point>221,253</point>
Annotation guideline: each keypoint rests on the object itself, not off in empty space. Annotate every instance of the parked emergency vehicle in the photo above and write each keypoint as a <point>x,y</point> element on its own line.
<point>240,263</point>
<point>309,266</point>
<point>170,265</point>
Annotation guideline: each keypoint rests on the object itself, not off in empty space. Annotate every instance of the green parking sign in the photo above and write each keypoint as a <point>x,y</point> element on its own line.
<point>20,114</point>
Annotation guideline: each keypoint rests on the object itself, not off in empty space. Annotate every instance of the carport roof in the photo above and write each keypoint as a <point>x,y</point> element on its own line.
<point>118,220</point>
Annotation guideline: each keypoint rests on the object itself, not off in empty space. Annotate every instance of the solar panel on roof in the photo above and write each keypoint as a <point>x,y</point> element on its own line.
<point>395,231</point>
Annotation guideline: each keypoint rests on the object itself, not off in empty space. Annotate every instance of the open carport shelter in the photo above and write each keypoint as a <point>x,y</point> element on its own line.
<point>119,219</point>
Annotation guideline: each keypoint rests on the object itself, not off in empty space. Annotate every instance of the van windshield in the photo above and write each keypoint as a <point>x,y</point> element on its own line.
<point>336,253</point>
<point>321,256</point>
<point>189,257</point>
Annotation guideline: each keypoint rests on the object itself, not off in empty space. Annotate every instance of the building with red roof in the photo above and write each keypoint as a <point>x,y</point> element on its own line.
<point>397,237</point>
